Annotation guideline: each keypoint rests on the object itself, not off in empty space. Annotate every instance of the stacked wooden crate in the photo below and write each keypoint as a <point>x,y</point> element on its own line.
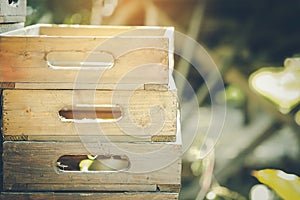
<point>12,14</point>
<point>89,112</point>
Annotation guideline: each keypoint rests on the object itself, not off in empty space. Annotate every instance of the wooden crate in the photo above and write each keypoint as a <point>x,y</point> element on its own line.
<point>46,166</point>
<point>121,108</point>
<point>12,11</point>
<point>10,26</point>
<point>65,115</point>
<point>90,196</point>
<point>86,57</point>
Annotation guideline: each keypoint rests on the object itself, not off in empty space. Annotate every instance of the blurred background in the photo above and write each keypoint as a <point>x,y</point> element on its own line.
<point>241,37</point>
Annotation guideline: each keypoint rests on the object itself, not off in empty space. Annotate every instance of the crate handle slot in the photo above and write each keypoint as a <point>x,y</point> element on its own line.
<point>79,60</point>
<point>92,163</point>
<point>13,3</point>
<point>90,113</point>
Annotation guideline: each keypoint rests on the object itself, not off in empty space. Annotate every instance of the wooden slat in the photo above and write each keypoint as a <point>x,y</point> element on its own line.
<point>89,138</point>
<point>106,86</point>
<point>89,196</point>
<point>31,166</point>
<point>34,115</point>
<point>84,30</point>
<point>138,60</point>
<point>87,187</point>
<point>14,12</point>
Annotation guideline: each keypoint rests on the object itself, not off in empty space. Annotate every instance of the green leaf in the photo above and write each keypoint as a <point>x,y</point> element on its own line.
<point>85,165</point>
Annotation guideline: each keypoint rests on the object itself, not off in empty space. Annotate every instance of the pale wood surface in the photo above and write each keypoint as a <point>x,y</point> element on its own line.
<point>90,30</point>
<point>90,196</point>
<point>14,12</point>
<point>140,56</point>
<point>75,86</point>
<point>34,115</point>
<point>31,166</point>
<point>42,30</point>
<point>10,26</point>
<point>83,86</point>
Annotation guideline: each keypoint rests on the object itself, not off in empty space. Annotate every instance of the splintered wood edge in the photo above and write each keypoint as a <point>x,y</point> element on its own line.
<point>15,137</point>
<point>7,85</point>
<point>163,138</point>
<point>169,188</point>
<point>89,195</point>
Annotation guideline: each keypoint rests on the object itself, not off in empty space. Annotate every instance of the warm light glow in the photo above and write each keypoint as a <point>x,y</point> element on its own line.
<point>211,195</point>
<point>281,87</point>
<point>288,177</point>
<point>259,192</point>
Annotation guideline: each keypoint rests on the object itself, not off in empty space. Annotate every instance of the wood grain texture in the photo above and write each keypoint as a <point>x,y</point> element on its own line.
<point>31,166</point>
<point>83,86</point>
<point>12,12</point>
<point>34,115</point>
<point>89,196</point>
<point>139,57</point>
<point>5,85</point>
<point>88,30</point>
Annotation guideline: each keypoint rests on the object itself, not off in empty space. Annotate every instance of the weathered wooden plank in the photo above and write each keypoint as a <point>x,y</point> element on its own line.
<point>88,187</point>
<point>89,196</point>
<point>12,11</point>
<point>133,59</point>
<point>88,138</point>
<point>93,30</point>
<point>90,30</point>
<point>32,166</point>
<point>37,115</point>
<point>83,86</point>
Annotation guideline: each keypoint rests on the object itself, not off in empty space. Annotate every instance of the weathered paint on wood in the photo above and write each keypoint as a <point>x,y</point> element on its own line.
<point>34,115</point>
<point>32,166</point>
<point>10,26</point>
<point>12,11</point>
<point>90,196</point>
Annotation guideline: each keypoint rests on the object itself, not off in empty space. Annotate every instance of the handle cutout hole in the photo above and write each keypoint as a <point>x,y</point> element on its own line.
<point>90,113</point>
<point>92,163</point>
<point>80,60</point>
<point>13,3</point>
